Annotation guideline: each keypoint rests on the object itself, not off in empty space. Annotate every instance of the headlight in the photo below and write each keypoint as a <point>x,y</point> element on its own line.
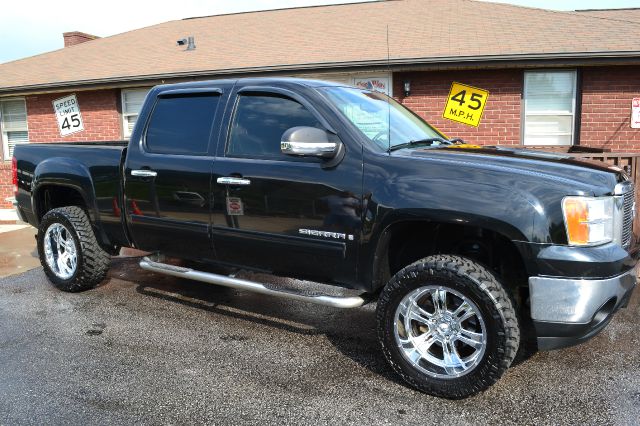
<point>589,221</point>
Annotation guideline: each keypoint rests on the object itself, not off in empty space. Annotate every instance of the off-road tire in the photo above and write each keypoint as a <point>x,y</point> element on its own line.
<point>92,260</point>
<point>485,291</point>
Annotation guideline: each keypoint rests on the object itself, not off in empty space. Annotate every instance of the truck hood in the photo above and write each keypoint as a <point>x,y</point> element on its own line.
<point>584,174</point>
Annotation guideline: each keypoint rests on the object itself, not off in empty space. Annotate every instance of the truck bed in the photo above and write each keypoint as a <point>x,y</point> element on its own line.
<point>91,168</point>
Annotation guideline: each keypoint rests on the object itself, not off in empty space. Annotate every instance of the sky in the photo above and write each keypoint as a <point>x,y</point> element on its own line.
<point>31,27</point>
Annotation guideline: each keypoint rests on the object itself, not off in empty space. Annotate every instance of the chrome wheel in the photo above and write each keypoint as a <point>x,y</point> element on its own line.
<point>440,331</point>
<point>60,251</point>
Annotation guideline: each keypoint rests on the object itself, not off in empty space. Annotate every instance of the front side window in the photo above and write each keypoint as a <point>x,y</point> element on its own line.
<point>380,118</point>
<point>549,107</point>
<point>13,123</point>
<point>259,122</point>
<point>132,100</point>
<point>182,124</point>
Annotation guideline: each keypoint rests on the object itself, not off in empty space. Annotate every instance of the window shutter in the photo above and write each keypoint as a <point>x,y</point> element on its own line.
<point>131,121</point>
<point>132,101</point>
<point>549,103</point>
<point>550,91</point>
<point>14,138</point>
<point>13,113</point>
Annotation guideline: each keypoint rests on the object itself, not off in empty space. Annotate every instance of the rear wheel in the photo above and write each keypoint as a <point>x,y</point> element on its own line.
<point>447,326</point>
<point>69,252</point>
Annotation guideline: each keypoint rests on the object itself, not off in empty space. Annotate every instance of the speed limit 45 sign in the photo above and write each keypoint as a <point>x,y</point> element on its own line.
<point>465,104</point>
<point>68,114</point>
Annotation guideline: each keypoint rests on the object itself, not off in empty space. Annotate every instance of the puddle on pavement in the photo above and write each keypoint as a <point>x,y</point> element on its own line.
<point>96,329</point>
<point>18,251</point>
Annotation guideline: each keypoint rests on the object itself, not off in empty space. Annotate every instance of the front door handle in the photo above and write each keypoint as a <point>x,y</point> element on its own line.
<point>144,173</point>
<point>233,181</point>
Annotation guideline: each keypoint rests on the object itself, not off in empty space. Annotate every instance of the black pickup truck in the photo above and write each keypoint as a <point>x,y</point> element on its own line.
<point>471,253</point>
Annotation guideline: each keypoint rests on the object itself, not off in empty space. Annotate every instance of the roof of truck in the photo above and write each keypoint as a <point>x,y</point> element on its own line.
<point>258,81</point>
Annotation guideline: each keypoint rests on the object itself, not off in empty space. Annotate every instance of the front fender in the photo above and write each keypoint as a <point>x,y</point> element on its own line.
<point>488,203</point>
<point>483,199</point>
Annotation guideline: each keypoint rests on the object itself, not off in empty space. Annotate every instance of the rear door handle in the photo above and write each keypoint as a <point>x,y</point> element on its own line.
<point>233,181</point>
<point>144,173</point>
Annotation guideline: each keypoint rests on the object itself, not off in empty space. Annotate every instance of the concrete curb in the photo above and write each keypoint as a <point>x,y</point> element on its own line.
<point>8,217</point>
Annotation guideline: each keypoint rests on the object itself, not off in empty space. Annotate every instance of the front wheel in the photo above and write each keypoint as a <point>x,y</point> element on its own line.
<point>447,326</point>
<point>69,252</point>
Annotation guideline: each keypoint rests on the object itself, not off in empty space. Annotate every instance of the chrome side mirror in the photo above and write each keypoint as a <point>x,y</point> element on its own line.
<point>309,142</point>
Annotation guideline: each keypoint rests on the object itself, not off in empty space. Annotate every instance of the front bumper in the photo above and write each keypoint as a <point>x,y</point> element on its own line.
<point>566,312</point>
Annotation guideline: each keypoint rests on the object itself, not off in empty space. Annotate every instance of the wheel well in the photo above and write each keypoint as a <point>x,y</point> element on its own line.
<point>407,242</point>
<point>52,196</point>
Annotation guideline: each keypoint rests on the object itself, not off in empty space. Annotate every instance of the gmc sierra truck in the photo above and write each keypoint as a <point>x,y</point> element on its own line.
<point>470,252</point>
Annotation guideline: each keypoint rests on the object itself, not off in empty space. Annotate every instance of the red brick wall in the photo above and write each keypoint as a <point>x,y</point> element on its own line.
<point>606,108</point>
<point>605,115</point>
<point>501,120</point>
<point>6,187</point>
<point>100,113</point>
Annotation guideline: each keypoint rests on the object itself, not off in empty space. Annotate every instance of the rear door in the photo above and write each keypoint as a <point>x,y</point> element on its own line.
<point>168,173</point>
<point>281,213</point>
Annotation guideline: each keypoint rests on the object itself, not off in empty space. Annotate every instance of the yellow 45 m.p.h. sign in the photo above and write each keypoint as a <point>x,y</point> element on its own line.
<point>465,104</point>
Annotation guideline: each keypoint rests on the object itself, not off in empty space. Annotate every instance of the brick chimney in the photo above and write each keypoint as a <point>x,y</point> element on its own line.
<point>76,37</point>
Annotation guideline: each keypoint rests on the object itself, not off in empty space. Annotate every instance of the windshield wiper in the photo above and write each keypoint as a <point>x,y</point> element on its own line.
<point>426,141</point>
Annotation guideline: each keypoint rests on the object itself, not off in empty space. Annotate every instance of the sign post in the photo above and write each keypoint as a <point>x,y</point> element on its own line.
<point>68,114</point>
<point>465,104</point>
<point>635,113</point>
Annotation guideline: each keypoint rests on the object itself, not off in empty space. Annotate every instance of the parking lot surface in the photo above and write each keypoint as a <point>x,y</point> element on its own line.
<point>146,348</point>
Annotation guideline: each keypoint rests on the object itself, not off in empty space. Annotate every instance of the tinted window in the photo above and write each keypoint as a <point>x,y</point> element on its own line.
<point>182,124</point>
<point>260,121</point>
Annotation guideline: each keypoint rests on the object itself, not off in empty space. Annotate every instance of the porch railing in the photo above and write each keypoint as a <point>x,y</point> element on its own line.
<point>629,161</point>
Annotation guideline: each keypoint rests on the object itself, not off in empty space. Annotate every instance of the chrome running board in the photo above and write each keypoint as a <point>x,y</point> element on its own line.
<point>178,271</point>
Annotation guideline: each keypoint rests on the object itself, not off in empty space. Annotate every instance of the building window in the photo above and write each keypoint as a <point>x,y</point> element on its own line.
<point>132,100</point>
<point>549,107</point>
<point>13,122</point>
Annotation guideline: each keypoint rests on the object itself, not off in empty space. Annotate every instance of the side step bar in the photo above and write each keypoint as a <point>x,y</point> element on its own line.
<point>178,271</point>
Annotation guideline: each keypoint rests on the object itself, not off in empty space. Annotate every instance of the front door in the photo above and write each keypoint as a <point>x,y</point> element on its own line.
<point>168,176</point>
<point>279,213</point>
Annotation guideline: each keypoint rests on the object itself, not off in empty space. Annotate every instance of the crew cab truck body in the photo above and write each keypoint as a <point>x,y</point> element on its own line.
<point>472,253</point>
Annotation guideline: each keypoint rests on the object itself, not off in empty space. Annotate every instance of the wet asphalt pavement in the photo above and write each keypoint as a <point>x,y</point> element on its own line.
<point>145,348</point>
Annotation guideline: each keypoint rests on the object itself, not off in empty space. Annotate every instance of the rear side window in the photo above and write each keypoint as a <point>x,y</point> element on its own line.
<point>260,121</point>
<point>182,124</point>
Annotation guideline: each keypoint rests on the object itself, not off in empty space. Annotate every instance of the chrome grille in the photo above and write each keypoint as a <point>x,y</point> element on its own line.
<point>628,213</point>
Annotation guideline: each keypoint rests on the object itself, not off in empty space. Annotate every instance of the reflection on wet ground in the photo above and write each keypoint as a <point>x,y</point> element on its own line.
<point>18,251</point>
<point>147,348</point>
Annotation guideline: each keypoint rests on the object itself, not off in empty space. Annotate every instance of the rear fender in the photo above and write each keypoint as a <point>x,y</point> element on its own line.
<point>69,173</point>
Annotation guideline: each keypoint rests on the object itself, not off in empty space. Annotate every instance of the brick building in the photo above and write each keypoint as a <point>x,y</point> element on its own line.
<point>555,78</point>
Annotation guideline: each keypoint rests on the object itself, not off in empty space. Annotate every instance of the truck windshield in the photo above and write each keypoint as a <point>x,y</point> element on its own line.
<point>380,118</point>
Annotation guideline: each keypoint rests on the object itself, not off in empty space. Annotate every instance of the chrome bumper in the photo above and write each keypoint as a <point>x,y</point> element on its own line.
<point>575,301</point>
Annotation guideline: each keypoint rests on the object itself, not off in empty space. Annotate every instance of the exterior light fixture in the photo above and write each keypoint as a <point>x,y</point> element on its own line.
<point>407,88</point>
